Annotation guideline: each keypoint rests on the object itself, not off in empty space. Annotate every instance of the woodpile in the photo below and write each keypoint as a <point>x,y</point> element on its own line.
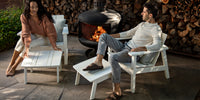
<point>72,8</point>
<point>180,19</point>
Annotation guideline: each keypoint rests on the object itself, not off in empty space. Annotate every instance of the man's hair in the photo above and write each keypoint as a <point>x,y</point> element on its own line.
<point>151,8</point>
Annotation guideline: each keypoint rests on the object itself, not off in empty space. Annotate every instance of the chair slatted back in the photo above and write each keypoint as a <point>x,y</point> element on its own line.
<point>163,38</point>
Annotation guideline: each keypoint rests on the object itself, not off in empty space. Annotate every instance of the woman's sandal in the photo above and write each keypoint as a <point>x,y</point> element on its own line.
<point>10,73</point>
<point>113,96</point>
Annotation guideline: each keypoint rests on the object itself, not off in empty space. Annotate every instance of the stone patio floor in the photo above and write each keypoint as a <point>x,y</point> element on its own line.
<point>184,83</point>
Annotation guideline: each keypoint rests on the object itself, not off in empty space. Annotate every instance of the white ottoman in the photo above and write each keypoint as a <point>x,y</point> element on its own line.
<point>95,76</point>
<point>42,59</point>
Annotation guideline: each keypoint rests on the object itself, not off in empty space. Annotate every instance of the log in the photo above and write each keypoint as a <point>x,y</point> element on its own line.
<point>188,28</point>
<point>192,25</point>
<point>179,16</point>
<point>164,9</point>
<point>196,39</point>
<point>193,19</point>
<point>197,23</point>
<point>163,18</point>
<point>169,25</point>
<point>192,32</point>
<point>186,18</point>
<point>196,48</point>
<point>170,6</point>
<point>161,25</point>
<point>117,2</point>
<point>172,32</point>
<point>184,40</point>
<point>137,6</point>
<point>182,33</point>
<point>57,3</point>
<point>172,13</point>
<point>180,25</point>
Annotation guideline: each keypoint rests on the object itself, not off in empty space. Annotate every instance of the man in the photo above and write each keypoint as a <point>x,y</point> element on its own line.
<point>146,36</point>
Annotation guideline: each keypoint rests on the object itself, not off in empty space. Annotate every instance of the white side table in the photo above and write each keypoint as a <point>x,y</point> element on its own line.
<point>95,76</point>
<point>42,59</point>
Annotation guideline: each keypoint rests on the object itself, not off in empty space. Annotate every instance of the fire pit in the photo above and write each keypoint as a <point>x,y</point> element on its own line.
<point>95,22</point>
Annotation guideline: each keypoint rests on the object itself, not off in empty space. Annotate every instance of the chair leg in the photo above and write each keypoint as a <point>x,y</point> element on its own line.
<point>164,59</point>
<point>66,57</point>
<point>60,67</point>
<point>25,75</point>
<point>58,74</point>
<point>31,70</point>
<point>77,78</point>
<point>133,76</point>
<point>93,91</point>
<point>167,73</point>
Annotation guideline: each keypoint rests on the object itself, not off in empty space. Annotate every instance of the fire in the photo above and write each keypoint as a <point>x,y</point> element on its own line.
<point>97,33</point>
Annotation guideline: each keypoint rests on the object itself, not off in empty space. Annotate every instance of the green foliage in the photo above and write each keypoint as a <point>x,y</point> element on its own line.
<point>10,25</point>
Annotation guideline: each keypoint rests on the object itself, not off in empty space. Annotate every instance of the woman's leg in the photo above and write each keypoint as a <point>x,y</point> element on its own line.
<point>14,66</point>
<point>36,41</point>
<point>18,48</point>
<point>14,57</point>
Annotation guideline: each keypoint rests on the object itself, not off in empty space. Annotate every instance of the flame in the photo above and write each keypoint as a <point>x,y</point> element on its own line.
<point>97,33</point>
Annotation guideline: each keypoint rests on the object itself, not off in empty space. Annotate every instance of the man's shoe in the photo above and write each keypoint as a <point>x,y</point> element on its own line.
<point>92,66</point>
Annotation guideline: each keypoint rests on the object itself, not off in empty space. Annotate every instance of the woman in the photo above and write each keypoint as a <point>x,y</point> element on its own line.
<point>37,29</point>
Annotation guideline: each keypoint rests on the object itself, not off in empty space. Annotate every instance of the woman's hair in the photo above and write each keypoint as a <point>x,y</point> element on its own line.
<point>41,10</point>
<point>151,8</point>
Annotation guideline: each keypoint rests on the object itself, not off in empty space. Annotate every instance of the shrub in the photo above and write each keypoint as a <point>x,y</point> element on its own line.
<point>10,25</point>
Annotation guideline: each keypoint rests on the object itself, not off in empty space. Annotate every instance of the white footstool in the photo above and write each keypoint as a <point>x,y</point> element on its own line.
<point>95,77</point>
<point>42,59</point>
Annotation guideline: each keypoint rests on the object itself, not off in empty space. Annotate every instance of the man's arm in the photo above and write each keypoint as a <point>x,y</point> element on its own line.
<point>115,35</point>
<point>139,49</point>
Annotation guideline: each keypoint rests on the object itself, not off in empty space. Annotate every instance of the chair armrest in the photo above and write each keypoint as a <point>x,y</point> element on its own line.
<point>163,48</point>
<point>65,31</point>
<point>19,33</point>
<point>66,25</point>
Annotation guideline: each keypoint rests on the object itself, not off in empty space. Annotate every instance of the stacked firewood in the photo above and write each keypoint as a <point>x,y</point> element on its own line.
<point>180,19</point>
<point>70,8</point>
<point>129,9</point>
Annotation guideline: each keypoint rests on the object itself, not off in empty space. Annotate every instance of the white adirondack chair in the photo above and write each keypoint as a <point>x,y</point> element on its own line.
<point>134,67</point>
<point>58,20</point>
<point>65,32</point>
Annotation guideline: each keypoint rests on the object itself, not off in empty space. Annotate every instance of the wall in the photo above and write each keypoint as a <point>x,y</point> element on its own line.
<point>6,3</point>
<point>180,19</point>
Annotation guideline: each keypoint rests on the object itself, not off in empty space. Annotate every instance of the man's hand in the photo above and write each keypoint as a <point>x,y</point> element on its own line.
<point>115,35</point>
<point>139,49</point>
